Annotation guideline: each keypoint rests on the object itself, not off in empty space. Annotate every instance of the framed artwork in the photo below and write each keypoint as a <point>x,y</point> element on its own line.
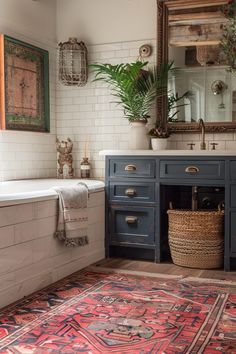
<point>24,86</point>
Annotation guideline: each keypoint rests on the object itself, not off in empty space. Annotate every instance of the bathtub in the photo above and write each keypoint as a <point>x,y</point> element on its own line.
<point>30,257</point>
<point>24,191</point>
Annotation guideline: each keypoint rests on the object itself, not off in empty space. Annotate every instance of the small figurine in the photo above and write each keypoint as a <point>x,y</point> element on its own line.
<point>65,159</point>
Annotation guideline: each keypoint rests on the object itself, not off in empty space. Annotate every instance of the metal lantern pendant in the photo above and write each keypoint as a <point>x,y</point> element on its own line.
<point>73,67</point>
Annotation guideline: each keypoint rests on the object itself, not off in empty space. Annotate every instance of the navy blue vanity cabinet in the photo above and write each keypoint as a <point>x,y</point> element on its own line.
<point>136,202</point>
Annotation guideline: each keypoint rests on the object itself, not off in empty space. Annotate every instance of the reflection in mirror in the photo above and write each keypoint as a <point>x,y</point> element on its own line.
<point>205,90</point>
<point>201,85</point>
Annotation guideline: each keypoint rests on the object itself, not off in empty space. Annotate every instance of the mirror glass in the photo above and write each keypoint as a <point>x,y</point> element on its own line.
<point>201,85</point>
<point>199,90</point>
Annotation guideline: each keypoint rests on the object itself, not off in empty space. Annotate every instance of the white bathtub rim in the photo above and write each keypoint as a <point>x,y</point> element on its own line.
<point>13,198</point>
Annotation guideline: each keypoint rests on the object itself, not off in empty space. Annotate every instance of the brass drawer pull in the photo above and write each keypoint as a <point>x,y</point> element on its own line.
<point>130,220</point>
<point>130,168</point>
<point>192,169</point>
<point>130,192</point>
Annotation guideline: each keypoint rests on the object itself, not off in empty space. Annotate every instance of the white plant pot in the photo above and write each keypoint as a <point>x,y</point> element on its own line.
<point>138,137</point>
<point>159,143</point>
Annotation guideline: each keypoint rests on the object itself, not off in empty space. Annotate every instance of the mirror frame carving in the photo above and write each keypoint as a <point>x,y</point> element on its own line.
<point>163,7</point>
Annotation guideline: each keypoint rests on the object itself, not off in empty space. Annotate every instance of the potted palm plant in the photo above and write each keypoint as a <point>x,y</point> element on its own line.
<point>135,88</point>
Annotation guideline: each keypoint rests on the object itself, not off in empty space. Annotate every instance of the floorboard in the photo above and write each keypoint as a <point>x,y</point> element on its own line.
<point>165,268</point>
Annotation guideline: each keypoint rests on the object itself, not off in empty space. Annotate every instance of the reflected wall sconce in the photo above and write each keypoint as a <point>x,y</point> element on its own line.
<point>73,63</point>
<point>218,87</point>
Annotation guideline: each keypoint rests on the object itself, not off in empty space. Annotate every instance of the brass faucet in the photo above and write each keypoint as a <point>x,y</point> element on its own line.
<point>202,126</point>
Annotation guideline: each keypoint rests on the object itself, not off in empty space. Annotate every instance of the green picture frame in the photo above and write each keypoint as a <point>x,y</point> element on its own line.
<point>24,86</point>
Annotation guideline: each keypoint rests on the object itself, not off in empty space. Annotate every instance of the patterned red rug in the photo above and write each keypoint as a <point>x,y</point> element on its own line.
<point>91,312</point>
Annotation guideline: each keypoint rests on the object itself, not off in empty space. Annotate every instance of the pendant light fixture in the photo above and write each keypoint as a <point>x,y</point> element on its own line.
<point>73,63</point>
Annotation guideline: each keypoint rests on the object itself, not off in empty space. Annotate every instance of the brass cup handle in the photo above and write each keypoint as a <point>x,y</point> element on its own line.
<point>131,220</point>
<point>130,168</point>
<point>192,169</point>
<point>130,192</point>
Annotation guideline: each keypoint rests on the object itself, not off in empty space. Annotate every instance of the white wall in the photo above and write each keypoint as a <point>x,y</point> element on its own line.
<point>35,19</point>
<point>28,154</point>
<point>106,21</point>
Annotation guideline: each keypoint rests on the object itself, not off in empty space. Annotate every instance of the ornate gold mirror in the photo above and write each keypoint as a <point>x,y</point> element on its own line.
<point>201,85</point>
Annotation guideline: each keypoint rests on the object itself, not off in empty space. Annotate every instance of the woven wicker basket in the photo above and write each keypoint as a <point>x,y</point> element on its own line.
<point>196,238</point>
<point>208,54</point>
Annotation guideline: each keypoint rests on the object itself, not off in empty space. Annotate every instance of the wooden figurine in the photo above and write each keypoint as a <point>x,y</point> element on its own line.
<point>65,159</point>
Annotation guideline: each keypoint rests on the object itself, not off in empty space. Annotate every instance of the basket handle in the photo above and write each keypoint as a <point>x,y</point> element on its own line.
<point>221,206</point>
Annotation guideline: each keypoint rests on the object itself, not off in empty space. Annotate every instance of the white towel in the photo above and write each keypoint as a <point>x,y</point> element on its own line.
<point>72,226</point>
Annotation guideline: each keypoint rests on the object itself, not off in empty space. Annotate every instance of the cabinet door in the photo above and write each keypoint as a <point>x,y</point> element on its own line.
<point>132,225</point>
<point>233,170</point>
<point>233,196</point>
<point>233,231</point>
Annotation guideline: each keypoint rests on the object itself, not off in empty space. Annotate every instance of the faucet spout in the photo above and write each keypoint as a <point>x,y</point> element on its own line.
<point>202,127</point>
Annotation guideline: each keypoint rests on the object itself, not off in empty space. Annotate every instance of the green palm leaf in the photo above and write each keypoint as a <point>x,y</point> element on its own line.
<point>135,87</point>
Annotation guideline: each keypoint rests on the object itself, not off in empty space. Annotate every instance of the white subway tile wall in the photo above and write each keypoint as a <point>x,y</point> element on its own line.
<point>85,113</point>
<point>89,114</point>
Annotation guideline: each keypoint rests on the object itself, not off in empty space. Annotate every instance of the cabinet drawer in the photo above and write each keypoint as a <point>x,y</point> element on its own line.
<point>132,168</point>
<point>192,169</point>
<point>133,192</point>
<point>132,225</point>
<point>233,170</point>
<point>233,196</point>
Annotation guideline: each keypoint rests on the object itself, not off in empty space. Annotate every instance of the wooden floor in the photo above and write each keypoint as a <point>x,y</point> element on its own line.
<point>165,268</point>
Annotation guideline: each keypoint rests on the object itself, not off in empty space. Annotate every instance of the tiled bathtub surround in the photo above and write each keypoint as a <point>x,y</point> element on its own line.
<point>31,258</point>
